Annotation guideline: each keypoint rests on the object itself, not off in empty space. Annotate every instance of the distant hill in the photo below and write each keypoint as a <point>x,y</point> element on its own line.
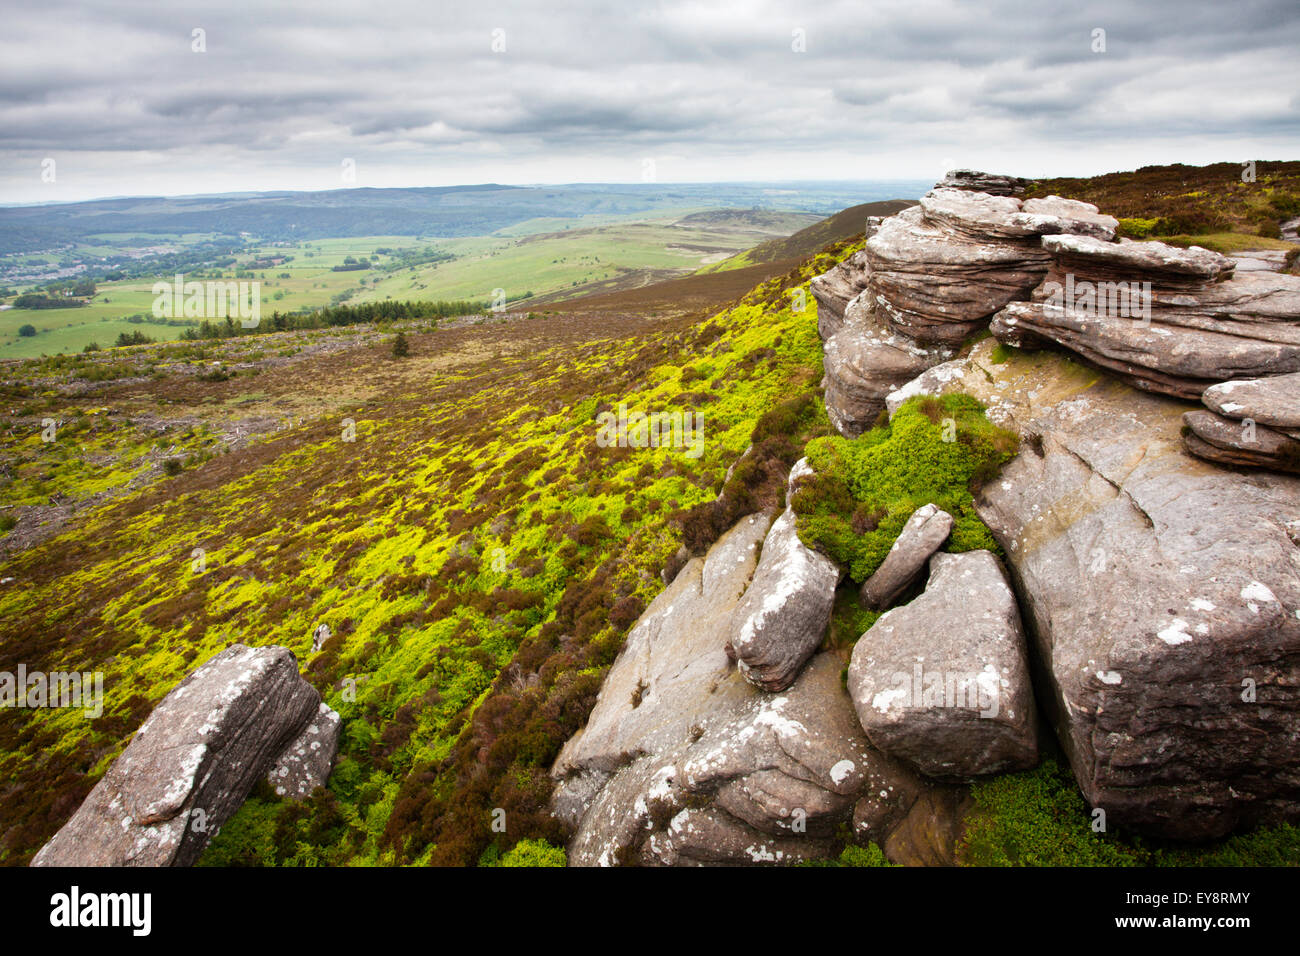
<point>448,211</point>
<point>805,242</point>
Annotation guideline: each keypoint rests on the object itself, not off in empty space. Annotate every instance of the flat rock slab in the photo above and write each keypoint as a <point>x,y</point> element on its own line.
<point>191,764</point>
<point>943,682</point>
<point>1268,401</point>
<point>923,534</point>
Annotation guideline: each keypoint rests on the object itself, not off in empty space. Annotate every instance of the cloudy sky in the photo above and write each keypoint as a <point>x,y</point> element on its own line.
<point>284,95</point>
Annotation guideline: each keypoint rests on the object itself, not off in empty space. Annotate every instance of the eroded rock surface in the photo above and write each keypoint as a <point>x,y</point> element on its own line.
<point>685,762</point>
<point>782,618</point>
<point>1159,589</point>
<point>943,682</point>
<point>1164,319</point>
<point>308,760</point>
<point>191,764</point>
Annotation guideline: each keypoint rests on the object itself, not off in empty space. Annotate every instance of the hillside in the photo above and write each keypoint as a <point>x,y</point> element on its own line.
<point>1218,206</point>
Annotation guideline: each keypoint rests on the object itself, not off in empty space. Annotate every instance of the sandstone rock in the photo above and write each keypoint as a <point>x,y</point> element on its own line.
<point>1128,260</point>
<point>924,534</point>
<point>306,763</point>
<point>1269,401</point>
<point>864,362</point>
<point>1194,333</point>
<point>993,183</point>
<point>783,616</point>
<point>943,682</point>
<point>1157,589</point>
<point>1232,442</point>
<point>684,762</point>
<point>191,764</point>
<point>936,286</point>
<point>982,217</point>
<point>835,289</point>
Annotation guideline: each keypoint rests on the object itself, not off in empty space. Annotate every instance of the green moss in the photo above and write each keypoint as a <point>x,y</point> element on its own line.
<point>935,450</point>
<point>1001,352</point>
<point>534,853</point>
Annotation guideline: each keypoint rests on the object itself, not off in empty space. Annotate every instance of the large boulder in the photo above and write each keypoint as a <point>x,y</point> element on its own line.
<point>683,761</point>
<point>191,764</point>
<point>923,534</point>
<point>782,618</point>
<point>1162,593</point>
<point>943,682</point>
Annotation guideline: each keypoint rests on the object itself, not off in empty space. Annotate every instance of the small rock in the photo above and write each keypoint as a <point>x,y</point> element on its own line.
<point>924,534</point>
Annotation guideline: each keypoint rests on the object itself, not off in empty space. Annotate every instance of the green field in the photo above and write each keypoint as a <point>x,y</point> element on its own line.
<point>540,256</point>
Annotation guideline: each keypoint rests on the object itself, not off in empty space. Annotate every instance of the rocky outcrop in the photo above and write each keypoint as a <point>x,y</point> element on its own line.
<point>1162,593</point>
<point>194,760</point>
<point>782,618</point>
<point>929,277</point>
<point>943,682</point>
<point>1164,319</point>
<point>683,761</point>
<point>924,534</point>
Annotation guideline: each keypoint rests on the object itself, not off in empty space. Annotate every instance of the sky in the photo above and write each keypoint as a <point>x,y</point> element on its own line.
<point>127,97</point>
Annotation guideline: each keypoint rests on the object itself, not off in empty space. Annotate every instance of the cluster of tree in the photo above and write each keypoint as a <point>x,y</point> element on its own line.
<point>351,264</point>
<point>39,300</point>
<point>368,313</point>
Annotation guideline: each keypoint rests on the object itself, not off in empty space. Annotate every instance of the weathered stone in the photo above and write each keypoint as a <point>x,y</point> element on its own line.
<point>1159,590</point>
<point>1269,401</point>
<point>1190,337</point>
<point>191,764</point>
<point>943,682</point>
<point>1129,260</point>
<point>684,762</point>
<point>1233,442</point>
<point>983,217</point>
<point>783,616</point>
<point>938,287</point>
<point>993,183</point>
<point>924,534</point>
<point>835,289</point>
<point>864,362</point>
<point>306,763</point>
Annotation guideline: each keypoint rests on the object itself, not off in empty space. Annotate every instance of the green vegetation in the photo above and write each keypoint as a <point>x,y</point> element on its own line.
<point>477,555</point>
<point>1039,818</point>
<point>869,855</point>
<point>935,450</point>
